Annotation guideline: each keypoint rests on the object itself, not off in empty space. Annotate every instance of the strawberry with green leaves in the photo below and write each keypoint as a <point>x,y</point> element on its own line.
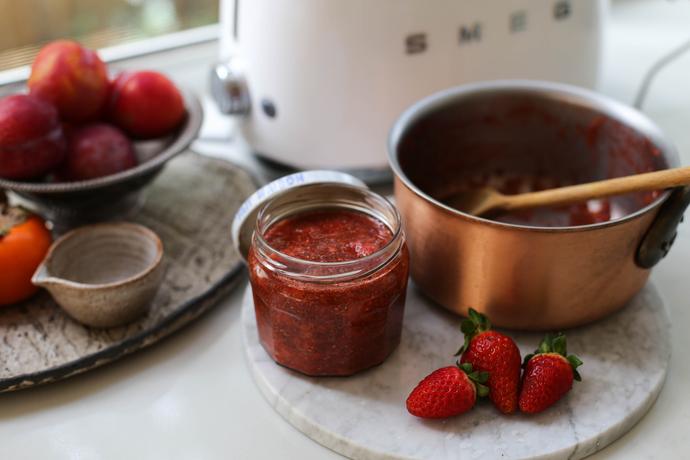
<point>447,392</point>
<point>495,353</point>
<point>549,374</point>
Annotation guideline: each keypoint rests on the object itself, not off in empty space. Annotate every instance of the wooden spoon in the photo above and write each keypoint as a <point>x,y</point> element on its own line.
<point>483,200</point>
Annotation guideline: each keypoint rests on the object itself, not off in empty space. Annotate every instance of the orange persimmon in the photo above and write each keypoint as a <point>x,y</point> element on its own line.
<point>24,242</point>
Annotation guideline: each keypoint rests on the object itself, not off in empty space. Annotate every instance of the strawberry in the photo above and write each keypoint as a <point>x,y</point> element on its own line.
<point>549,374</point>
<point>447,391</point>
<point>495,353</point>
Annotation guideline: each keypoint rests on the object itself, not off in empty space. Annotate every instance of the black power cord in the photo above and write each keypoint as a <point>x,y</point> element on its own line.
<point>655,69</point>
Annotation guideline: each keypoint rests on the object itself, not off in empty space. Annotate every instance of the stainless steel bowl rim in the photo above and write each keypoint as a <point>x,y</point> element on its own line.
<point>183,138</point>
<point>557,91</point>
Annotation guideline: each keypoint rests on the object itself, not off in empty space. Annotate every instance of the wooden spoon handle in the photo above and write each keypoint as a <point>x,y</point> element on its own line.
<point>657,180</point>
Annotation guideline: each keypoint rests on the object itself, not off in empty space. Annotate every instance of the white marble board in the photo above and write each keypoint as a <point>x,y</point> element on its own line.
<point>625,361</point>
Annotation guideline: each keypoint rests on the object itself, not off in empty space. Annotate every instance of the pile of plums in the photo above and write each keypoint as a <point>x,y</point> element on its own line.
<point>77,124</point>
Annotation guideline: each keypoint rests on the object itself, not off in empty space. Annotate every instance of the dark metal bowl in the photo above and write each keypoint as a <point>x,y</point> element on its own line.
<point>72,203</point>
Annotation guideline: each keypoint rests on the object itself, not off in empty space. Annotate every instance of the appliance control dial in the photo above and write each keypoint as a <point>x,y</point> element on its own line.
<point>229,89</point>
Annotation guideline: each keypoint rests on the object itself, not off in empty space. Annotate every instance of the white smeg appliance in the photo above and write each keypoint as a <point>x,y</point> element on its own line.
<point>318,83</point>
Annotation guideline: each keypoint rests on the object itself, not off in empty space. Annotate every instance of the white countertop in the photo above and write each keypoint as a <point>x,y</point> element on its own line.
<point>191,396</point>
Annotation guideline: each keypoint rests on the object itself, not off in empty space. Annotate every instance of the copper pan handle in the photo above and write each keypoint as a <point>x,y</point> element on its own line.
<point>661,234</point>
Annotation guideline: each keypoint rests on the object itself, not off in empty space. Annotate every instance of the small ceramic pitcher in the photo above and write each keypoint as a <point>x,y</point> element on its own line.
<point>104,275</point>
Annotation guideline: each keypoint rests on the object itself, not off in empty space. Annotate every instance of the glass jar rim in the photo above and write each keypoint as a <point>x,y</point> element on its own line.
<point>392,246</point>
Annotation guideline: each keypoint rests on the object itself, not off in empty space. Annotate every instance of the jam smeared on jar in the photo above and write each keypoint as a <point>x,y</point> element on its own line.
<point>328,235</point>
<point>329,325</point>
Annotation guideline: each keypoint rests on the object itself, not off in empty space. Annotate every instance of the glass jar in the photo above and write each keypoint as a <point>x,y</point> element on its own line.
<point>329,318</point>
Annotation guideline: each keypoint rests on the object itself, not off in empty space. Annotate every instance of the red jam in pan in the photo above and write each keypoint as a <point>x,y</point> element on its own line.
<point>328,325</point>
<point>590,212</point>
<point>518,144</point>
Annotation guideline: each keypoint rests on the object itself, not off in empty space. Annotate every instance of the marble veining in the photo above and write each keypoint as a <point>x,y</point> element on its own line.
<point>626,357</point>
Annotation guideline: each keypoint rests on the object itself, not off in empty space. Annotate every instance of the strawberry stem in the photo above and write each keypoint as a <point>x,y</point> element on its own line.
<point>474,324</point>
<point>482,390</point>
<point>479,378</point>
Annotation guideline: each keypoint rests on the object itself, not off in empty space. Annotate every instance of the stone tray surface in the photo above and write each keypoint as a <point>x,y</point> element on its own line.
<point>190,206</point>
<point>625,360</point>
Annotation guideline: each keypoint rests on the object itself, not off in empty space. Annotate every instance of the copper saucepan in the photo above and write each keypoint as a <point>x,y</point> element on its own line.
<point>528,276</point>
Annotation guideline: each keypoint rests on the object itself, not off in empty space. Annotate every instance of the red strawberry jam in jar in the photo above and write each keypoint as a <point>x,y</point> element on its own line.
<point>328,266</point>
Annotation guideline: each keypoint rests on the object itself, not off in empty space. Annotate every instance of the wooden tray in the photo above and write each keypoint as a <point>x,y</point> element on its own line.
<point>190,206</point>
